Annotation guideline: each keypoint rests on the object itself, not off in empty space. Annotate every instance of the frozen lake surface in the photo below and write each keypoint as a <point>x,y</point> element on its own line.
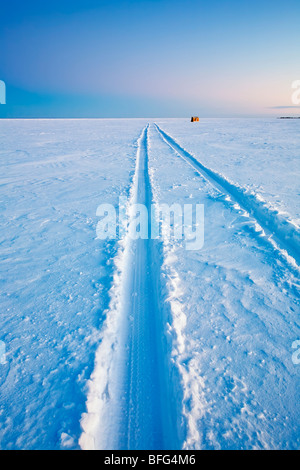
<point>121,344</point>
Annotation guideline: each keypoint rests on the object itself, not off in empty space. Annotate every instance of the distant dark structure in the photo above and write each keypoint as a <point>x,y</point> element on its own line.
<point>194,119</point>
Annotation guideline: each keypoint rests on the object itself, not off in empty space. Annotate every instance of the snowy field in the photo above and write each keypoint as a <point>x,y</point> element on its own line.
<point>143,344</point>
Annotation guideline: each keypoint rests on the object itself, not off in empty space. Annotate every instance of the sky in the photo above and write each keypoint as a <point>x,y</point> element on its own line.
<point>149,58</point>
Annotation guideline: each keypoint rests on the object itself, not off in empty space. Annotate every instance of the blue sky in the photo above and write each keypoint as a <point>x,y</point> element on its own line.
<point>148,58</point>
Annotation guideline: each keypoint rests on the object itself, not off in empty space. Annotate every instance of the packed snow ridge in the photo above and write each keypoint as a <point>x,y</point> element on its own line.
<point>140,343</point>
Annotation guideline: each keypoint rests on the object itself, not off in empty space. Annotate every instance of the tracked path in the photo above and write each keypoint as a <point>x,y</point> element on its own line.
<point>278,229</point>
<point>130,403</point>
<point>148,421</point>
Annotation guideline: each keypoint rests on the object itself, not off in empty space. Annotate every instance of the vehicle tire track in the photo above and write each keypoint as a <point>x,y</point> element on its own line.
<point>279,230</point>
<point>130,403</point>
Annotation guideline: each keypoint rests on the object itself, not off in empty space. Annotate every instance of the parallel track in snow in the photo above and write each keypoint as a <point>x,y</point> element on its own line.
<point>130,404</point>
<point>149,419</point>
<point>279,230</point>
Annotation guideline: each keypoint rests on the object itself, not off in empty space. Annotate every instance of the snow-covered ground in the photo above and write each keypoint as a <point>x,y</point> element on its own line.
<point>261,155</point>
<point>55,275</point>
<point>122,344</point>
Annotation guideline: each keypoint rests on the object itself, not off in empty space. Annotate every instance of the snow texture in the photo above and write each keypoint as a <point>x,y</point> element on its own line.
<point>132,344</point>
